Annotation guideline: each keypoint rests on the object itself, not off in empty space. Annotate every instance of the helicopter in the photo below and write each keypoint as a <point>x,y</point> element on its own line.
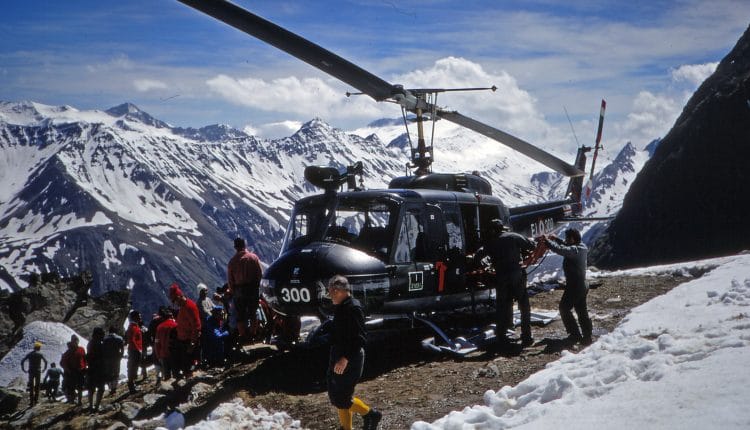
<point>403,249</point>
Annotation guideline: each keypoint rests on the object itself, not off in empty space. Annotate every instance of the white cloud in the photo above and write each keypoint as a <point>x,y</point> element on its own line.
<point>694,74</point>
<point>145,85</point>
<point>305,97</point>
<point>652,116</point>
<point>510,108</point>
<point>273,130</point>
<point>120,62</point>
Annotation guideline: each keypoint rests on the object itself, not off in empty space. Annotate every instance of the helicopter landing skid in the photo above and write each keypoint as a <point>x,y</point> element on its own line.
<point>476,338</point>
<point>460,345</point>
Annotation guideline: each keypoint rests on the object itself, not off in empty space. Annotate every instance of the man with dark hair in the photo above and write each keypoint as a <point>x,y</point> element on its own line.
<point>347,356</point>
<point>73,362</point>
<point>113,349</point>
<point>506,250</point>
<point>52,381</point>
<point>575,254</point>
<point>134,338</point>
<point>35,359</point>
<point>243,279</point>
<point>162,345</point>
<point>188,332</point>
<point>96,375</point>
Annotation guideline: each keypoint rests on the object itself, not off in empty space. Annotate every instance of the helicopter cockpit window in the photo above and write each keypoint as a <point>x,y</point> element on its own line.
<point>363,224</point>
<point>304,226</point>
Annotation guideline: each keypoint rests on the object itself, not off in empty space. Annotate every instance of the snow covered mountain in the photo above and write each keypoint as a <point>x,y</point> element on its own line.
<point>142,204</point>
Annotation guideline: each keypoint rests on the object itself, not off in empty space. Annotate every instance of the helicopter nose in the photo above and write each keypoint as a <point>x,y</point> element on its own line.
<point>296,282</point>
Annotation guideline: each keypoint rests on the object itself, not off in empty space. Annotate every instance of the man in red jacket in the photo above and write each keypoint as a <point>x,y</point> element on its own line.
<point>243,278</point>
<point>188,332</point>
<point>74,365</point>
<point>134,339</point>
<point>162,345</point>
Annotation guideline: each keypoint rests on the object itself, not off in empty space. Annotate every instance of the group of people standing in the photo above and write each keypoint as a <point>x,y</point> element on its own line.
<point>205,333</point>
<point>507,251</point>
<point>91,368</point>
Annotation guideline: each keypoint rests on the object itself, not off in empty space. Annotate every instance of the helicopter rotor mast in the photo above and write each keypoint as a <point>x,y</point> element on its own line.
<point>412,100</point>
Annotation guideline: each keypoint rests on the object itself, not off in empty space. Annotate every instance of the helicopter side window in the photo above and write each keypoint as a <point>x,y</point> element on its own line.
<point>453,226</point>
<point>408,247</point>
<point>300,226</point>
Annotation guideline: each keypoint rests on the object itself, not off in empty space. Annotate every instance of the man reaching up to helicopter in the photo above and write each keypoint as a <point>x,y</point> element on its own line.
<point>574,253</point>
<point>507,250</point>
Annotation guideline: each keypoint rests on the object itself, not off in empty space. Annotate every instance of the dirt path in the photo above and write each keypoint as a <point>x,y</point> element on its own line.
<point>408,384</point>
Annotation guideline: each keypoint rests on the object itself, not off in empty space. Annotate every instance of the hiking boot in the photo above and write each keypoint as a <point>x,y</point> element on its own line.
<point>573,339</point>
<point>527,341</point>
<point>371,419</point>
<point>586,341</point>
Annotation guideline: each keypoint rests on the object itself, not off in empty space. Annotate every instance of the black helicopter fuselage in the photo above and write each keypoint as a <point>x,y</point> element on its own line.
<point>404,249</point>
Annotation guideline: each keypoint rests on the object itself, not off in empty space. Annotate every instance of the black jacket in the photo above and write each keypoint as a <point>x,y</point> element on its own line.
<point>506,251</point>
<point>348,334</point>
<point>35,359</point>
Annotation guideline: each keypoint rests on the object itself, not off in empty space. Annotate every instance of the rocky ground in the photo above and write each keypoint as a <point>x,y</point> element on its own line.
<point>403,380</point>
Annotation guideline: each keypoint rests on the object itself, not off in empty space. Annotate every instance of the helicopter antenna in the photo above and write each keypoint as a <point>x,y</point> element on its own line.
<point>571,127</point>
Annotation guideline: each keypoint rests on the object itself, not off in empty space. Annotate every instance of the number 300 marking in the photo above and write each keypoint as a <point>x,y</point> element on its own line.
<point>295,294</point>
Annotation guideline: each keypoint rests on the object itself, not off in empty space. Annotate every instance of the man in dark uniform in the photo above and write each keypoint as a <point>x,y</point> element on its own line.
<point>575,254</point>
<point>347,356</point>
<point>506,250</point>
<point>243,279</point>
<point>113,349</point>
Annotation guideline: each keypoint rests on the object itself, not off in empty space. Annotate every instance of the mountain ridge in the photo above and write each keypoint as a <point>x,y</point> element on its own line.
<point>143,205</point>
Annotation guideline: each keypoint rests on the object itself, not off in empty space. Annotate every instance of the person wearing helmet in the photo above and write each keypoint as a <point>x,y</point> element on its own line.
<point>35,359</point>
<point>574,253</point>
<point>347,356</point>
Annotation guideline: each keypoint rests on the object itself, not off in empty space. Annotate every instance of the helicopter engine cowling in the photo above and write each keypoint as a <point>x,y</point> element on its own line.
<point>295,284</point>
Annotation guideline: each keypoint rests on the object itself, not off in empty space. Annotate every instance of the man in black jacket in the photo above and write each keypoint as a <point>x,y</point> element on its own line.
<point>507,249</point>
<point>347,356</point>
<point>35,359</point>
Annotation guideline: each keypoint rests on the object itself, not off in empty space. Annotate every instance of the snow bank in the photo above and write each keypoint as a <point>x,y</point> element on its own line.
<point>678,361</point>
<point>54,338</point>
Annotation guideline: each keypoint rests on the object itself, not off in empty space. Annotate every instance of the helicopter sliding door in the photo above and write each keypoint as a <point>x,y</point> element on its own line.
<point>420,251</point>
<point>454,261</point>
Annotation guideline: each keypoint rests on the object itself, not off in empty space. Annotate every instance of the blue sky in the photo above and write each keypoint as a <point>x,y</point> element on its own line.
<point>546,57</point>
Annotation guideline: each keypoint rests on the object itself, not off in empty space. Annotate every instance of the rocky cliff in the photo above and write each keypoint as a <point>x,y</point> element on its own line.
<point>50,298</point>
<point>690,200</point>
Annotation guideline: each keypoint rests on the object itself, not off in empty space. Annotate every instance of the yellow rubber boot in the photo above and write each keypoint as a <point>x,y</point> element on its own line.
<point>359,407</point>
<point>345,418</point>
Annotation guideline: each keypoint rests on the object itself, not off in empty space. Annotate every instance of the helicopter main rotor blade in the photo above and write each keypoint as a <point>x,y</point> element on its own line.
<point>296,46</point>
<point>513,142</point>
